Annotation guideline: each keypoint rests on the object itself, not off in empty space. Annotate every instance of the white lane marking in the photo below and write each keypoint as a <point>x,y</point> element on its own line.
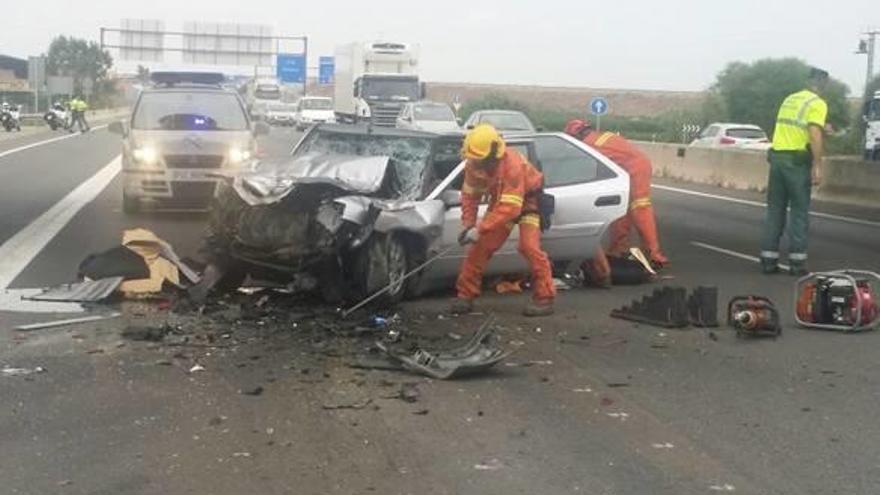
<point>47,141</point>
<point>827,216</point>
<point>17,252</point>
<point>735,254</point>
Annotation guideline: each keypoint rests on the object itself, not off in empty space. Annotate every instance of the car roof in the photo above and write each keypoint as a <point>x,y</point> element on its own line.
<point>189,88</point>
<point>374,130</point>
<point>733,124</point>
<point>499,111</point>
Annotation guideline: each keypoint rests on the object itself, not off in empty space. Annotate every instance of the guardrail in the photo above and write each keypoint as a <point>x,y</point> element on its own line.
<point>34,119</point>
<point>845,179</point>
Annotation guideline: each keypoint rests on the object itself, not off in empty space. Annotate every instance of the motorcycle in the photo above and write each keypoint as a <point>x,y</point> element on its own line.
<point>9,118</point>
<point>57,118</point>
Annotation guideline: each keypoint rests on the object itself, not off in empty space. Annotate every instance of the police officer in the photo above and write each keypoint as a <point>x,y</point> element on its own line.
<point>795,163</point>
<point>78,108</point>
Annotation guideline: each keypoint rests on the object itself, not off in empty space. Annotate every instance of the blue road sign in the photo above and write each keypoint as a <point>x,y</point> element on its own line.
<point>326,70</point>
<point>598,106</point>
<point>291,67</point>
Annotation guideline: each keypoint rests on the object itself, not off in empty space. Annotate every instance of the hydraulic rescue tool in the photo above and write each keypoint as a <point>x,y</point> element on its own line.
<point>753,316</point>
<point>839,300</point>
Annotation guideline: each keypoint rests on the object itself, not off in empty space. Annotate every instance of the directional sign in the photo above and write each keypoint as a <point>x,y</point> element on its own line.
<point>598,106</point>
<point>291,67</point>
<point>326,70</point>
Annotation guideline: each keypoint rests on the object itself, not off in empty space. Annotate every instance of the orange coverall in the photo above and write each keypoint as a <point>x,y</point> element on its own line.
<point>641,212</point>
<point>512,187</point>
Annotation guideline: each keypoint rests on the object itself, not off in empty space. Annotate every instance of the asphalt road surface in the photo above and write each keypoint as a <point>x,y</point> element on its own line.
<point>587,404</point>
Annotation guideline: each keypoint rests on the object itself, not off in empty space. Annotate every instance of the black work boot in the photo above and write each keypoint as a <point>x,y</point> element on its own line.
<point>461,306</point>
<point>769,266</point>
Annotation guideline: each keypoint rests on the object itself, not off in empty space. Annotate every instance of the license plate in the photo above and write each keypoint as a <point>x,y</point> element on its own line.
<point>189,175</point>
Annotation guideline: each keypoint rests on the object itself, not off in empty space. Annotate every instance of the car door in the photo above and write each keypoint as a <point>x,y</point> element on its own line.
<point>590,192</point>
<point>505,260</point>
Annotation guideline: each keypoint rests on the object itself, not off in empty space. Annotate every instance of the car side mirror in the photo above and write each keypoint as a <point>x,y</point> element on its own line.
<point>540,128</point>
<point>470,126</point>
<point>459,121</point>
<point>116,128</point>
<point>451,198</point>
<point>261,129</point>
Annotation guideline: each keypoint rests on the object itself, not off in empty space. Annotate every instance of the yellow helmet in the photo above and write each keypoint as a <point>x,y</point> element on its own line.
<point>481,141</point>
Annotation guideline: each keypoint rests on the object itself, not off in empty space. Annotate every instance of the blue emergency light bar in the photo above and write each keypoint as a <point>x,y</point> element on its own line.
<point>172,78</point>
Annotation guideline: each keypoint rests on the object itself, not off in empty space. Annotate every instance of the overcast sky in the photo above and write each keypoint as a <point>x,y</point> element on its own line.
<point>644,44</point>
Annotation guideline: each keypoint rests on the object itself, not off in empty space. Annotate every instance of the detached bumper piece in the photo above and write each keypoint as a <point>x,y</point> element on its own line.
<point>666,307</point>
<point>476,356</point>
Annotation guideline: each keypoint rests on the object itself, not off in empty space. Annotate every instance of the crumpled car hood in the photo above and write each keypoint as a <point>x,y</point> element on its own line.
<point>272,182</point>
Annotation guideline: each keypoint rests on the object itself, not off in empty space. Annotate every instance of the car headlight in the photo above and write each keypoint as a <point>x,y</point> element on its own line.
<point>237,156</point>
<point>146,155</point>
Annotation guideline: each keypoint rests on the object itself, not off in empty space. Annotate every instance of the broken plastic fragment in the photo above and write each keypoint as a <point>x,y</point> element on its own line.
<point>196,368</point>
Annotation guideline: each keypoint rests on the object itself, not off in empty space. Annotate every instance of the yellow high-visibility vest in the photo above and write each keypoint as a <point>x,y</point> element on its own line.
<point>797,112</point>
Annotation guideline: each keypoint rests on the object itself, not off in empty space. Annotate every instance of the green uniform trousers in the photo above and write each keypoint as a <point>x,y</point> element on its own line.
<point>789,185</point>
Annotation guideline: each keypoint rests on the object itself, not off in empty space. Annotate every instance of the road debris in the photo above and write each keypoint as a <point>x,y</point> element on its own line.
<point>197,368</point>
<point>489,465</point>
<point>85,291</point>
<point>479,354</point>
<point>408,392</point>
<point>15,301</point>
<point>582,390</point>
<point>352,405</point>
<point>723,488</point>
<point>665,445</point>
<point>145,333</point>
<point>60,323</point>
<point>22,371</point>
<point>618,415</point>
<point>253,391</point>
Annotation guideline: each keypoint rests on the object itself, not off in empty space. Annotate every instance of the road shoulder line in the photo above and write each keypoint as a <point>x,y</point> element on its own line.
<point>47,141</point>
<point>758,204</point>
<point>19,250</point>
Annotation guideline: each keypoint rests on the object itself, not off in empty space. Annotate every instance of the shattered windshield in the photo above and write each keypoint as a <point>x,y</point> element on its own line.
<point>409,155</point>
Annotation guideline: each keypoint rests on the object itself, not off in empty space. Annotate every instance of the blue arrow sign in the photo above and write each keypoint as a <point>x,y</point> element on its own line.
<point>598,106</point>
<point>326,70</point>
<point>291,67</point>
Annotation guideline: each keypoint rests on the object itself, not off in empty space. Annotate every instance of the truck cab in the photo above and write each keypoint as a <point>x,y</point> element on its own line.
<point>374,81</point>
<point>871,116</point>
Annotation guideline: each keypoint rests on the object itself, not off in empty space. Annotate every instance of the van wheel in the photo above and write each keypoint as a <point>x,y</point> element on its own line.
<point>130,205</point>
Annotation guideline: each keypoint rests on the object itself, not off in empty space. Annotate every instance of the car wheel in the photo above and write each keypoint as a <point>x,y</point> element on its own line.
<point>383,262</point>
<point>130,205</point>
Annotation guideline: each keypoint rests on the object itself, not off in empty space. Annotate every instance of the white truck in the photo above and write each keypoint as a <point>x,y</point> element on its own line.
<point>871,116</point>
<point>374,80</point>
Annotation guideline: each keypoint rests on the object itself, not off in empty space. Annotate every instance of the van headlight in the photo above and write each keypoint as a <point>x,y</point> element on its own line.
<point>146,155</point>
<point>237,156</point>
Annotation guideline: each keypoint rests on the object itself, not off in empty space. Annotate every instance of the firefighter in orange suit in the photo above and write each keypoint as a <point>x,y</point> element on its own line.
<point>641,211</point>
<point>513,187</point>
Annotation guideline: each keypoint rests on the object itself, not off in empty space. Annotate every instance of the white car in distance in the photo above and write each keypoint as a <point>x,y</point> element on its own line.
<point>428,116</point>
<point>729,135</point>
<point>311,110</point>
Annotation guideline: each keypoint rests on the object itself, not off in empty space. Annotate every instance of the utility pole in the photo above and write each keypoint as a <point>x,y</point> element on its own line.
<point>867,46</point>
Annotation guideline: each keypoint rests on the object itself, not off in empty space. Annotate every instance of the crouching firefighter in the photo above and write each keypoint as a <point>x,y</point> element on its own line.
<point>515,191</point>
<point>640,213</point>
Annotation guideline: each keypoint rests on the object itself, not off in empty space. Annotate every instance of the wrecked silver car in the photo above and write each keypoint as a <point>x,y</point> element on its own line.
<point>354,209</point>
<point>346,209</point>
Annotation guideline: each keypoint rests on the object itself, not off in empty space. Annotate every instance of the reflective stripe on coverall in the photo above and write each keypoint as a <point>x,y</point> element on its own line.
<point>513,188</point>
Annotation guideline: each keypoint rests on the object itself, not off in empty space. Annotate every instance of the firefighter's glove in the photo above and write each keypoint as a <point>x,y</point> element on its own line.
<point>468,236</point>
